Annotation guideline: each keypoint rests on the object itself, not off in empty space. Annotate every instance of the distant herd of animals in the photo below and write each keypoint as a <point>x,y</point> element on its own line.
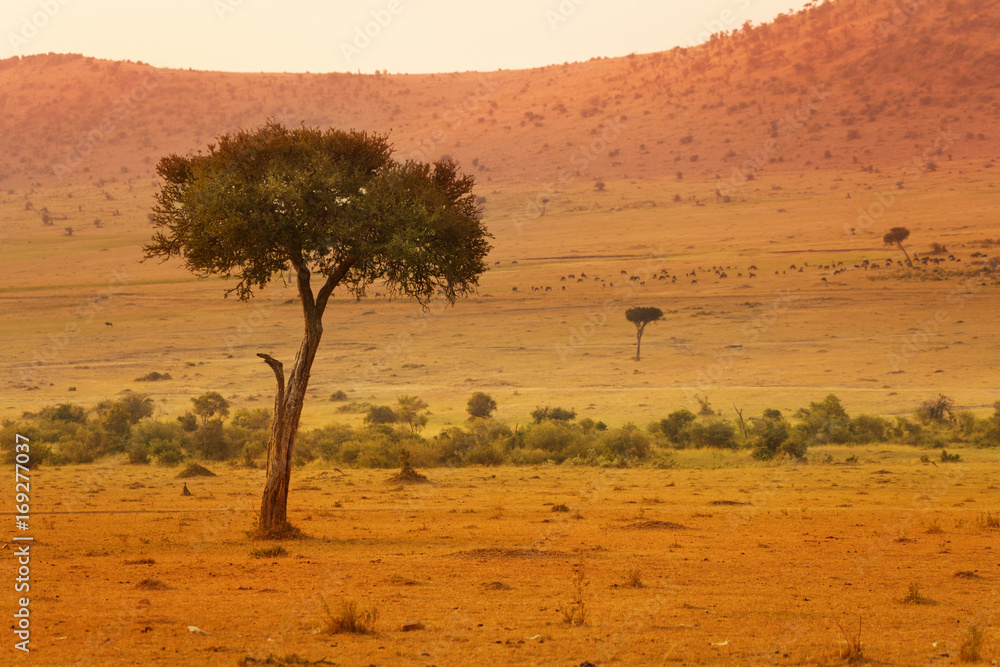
<point>722,272</point>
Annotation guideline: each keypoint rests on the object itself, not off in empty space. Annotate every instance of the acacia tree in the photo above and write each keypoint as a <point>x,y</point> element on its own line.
<point>896,236</point>
<point>640,316</point>
<point>332,207</point>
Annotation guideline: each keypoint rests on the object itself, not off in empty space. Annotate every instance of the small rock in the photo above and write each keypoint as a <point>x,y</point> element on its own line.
<point>411,626</point>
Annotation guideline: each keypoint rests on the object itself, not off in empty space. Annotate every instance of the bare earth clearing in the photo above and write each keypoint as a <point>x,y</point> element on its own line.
<point>754,565</point>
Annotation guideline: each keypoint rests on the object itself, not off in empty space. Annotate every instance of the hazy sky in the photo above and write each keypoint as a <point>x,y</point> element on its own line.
<point>397,35</point>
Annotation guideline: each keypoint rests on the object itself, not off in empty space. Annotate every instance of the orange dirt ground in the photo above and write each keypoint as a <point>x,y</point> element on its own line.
<point>756,565</point>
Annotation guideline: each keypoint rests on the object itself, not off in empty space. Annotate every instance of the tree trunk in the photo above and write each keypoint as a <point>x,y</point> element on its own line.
<point>284,427</point>
<point>908,262</point>
<point>288,399</point>
<point>638,340</point>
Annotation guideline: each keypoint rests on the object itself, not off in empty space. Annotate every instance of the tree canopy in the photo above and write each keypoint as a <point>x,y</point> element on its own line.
<point>331,201</point>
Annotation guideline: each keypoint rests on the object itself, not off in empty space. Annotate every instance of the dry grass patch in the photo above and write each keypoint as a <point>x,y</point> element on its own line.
<point>913,596</point>
<point>852,650</point>
<point>269,552</point>
<point>350,619</point>
<point>972,645</point>
<point>654,524</point>
<point>152,585</point>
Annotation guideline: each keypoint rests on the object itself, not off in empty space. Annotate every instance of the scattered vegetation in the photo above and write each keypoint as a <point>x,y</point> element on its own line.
<point>154,376</point>
<point>67,433</point>
<point>349,619</point>
<point>269,552</point>
<point>576,612</point>
<point>853,650</point>
<point>913,596</point>
<point>633,579</point>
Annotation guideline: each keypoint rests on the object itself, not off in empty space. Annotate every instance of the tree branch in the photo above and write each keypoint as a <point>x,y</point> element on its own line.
<point>279,374</point>
<point>305,290</point>
<point>331,283</point>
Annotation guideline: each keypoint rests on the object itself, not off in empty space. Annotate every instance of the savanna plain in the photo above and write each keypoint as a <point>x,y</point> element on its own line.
<point>746,196</point>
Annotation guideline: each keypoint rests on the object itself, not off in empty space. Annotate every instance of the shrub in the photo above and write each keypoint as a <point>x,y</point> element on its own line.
<point>138,453</point>
<point>481,406</point>
<point>674,427</point>
<point>627,443</point>
<point>64,412</point>
<point>188,422</point>
<point>118,417</point>
<point>167,453</point>
<point>769,436</point>
<point>824,423</point>
<point>936,410</point>
<point>350,619</point>
<point>211,443</point>
<point>717,433</point>
<point>412,412</point>
<point>327,441</point>
<point>867,428</point>
<point>558,440</point>
<point>255,419</point>
<point>553,414</point>
<point>380,414</point>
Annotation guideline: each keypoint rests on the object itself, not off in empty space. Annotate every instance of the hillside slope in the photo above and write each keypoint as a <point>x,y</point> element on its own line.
<point>843,85</point>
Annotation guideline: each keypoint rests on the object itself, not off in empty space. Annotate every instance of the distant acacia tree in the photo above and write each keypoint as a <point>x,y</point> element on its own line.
<point>640,316</point>
<point>330,206</point>
<point>896,236</point>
